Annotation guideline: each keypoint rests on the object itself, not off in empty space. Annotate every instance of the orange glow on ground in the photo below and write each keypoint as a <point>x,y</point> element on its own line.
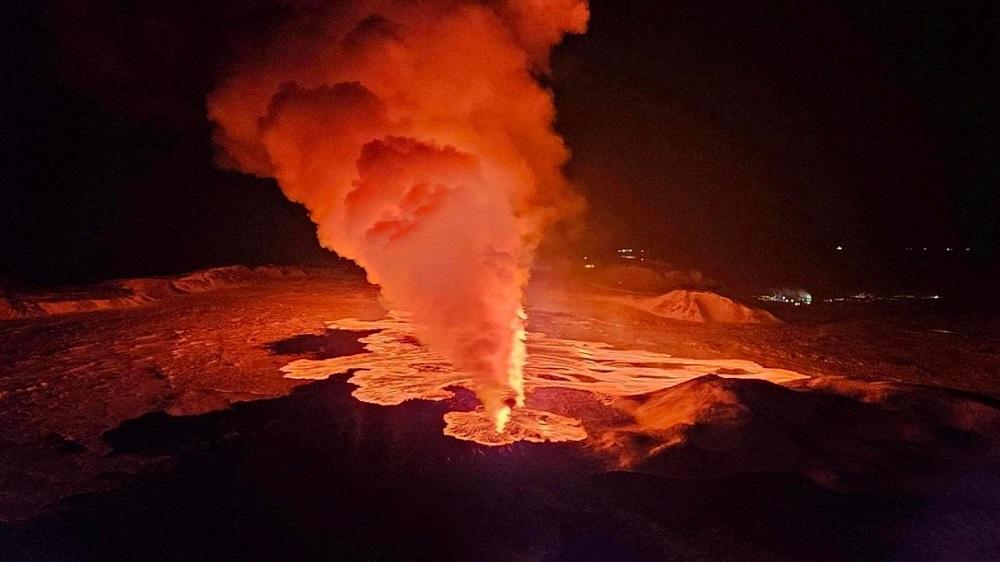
<point>398,368</point>
<point>524,424</point>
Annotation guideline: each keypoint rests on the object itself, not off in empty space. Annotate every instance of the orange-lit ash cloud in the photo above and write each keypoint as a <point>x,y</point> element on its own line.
<point>419,140</point>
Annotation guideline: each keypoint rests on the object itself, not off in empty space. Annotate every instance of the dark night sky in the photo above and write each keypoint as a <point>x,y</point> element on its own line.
<point>758,138</point>
<point>745,139</point>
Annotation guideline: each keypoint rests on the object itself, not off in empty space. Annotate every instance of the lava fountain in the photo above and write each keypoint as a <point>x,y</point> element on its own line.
<point>422,145</point>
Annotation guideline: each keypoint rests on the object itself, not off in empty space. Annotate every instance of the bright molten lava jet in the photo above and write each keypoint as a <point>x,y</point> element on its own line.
<point>417,137</point>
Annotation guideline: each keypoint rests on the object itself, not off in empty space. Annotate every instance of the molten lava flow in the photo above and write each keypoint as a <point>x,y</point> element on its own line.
<point>418,138</point>
<point>397,368</point>
<point>526,424</point>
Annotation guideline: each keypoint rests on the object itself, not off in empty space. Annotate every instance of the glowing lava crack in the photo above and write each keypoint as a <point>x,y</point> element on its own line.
<point>398,368</point>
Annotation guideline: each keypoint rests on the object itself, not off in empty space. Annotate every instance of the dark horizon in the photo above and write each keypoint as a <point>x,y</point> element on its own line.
<point>747,142</point>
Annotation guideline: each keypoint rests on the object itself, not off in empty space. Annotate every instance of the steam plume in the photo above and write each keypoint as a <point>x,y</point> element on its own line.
<point>417,137</point>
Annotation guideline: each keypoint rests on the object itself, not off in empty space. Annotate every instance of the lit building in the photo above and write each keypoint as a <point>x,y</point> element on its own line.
<point>796,297</point>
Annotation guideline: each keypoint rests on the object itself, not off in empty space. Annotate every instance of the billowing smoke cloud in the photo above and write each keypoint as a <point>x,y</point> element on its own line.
<point>415,133</point>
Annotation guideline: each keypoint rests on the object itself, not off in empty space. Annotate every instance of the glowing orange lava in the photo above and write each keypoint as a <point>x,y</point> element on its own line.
<point>397,368</point>
<point>524,424</point>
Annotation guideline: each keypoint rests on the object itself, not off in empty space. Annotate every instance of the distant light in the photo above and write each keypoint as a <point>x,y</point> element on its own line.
<point>585,258</point>
<point>590,266</point>
<point>968,249</point>
<point>925,249</point>
<point>840,248</point>
<point>947,249</point>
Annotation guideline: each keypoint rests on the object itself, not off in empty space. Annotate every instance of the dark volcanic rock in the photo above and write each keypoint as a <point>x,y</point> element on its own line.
<point>846,435</point>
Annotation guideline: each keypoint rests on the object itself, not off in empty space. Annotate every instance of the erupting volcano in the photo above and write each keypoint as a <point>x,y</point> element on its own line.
<point>320,280</point>
<point>418,138</point>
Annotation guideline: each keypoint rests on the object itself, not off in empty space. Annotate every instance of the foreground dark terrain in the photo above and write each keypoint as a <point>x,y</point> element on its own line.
<point>166,431</point>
